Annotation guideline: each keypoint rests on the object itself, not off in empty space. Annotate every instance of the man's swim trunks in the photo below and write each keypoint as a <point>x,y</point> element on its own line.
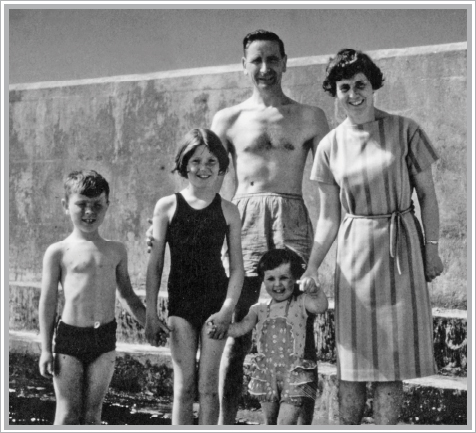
<point>85,344</point>
<point>272,220</point>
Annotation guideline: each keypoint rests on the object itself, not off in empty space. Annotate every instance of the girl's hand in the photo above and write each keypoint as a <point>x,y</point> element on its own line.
<point>149,238</point>
<point>47,364</point>
<point>156,331</point>
<point>433,263</point>
<point>309,285</point>
<point>218,324</point>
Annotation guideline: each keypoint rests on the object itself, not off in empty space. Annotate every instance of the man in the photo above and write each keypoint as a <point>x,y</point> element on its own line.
<point>269,136</point>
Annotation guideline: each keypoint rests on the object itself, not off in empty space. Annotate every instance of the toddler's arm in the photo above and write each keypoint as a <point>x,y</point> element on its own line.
<point>236,329</point>
<point>51,276</point>
<point>131,302</point>
<point>315,300</point>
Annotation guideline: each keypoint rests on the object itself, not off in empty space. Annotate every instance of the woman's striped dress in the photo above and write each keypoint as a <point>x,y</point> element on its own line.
<point>384,326</point>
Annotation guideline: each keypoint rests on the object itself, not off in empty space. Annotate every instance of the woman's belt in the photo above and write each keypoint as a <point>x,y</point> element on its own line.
<point>395,229</point>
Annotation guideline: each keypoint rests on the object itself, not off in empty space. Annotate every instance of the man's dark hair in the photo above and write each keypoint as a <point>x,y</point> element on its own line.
<point>262,35</point>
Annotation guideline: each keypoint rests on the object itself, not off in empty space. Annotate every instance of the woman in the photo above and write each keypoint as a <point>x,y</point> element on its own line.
<point>369,166</point>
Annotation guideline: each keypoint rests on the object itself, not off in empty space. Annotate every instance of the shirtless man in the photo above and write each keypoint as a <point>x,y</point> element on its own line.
<point>269,136</point>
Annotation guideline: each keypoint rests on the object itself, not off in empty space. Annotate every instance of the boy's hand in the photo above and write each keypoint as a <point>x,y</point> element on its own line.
<point>149,235</point>
<point>47,364</point>
<point>309,285</point>
<point>156,332</point>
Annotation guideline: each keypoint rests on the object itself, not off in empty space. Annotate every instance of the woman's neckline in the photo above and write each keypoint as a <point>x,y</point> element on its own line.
<point>379,116</point>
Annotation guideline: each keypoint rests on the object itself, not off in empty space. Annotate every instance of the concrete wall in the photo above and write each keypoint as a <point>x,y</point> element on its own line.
<point>128,128</point>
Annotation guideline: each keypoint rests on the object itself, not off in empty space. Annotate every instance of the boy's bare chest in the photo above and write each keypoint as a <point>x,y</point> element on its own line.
<point>89,259</point>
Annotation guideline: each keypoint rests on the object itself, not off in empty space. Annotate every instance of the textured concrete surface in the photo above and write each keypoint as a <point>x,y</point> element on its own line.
<point>143,371</point>
<point>128,129</point>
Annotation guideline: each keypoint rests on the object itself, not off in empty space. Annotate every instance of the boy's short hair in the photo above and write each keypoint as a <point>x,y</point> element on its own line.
<point>347,63</point>
<point>262,35</point>
<point>272,259</point>
<point>87,182</point>
<point>200,137</point>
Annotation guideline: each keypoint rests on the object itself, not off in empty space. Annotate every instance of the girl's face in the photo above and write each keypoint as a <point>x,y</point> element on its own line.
<point>356,96</point>
<point>279,282</point>
<point>203,167</point>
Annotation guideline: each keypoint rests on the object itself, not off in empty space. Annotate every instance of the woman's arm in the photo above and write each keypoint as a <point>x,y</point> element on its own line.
<point>51,277</point>
<point>160,221</point>
<point>327,228</point>
<point>430,217</point>
<point>222,319</point>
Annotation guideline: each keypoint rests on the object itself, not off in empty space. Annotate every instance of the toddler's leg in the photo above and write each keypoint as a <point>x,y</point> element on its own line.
<point>183,348</point>
<point>68,384</point>
<point>97,379</point>
<point>270,412</point>
<point>388,400</point>
<point>352,396</point>
<point>289,414</point>
<point>210,356</point>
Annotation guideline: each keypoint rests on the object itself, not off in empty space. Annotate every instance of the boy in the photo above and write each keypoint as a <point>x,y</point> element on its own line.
<point>90,269</point>
<point>284,375</point>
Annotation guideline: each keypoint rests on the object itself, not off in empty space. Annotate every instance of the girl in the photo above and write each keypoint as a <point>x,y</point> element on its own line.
<point>195,223</point>
<point>284,375</point>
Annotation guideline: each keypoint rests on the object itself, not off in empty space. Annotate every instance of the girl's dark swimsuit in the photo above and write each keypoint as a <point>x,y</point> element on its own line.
<point>197,283</point>
<point>85,344</point>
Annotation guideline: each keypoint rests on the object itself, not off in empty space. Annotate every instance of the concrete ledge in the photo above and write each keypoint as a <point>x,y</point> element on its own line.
<point>146,369</point>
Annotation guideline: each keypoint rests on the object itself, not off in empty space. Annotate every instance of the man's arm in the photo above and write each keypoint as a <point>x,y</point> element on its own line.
<point>322,129</point>
<point>128,298</point>
<point>47,307</point>
<point>227,184</point>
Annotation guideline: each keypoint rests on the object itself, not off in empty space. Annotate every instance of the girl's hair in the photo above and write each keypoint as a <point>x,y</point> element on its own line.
<point>86,182</point>
<point>272,259</point>
<point>346,64</point>
<point>200,137</point>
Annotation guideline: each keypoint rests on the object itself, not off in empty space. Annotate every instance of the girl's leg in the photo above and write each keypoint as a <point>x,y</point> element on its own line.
<point>183,348</point>
<point>270,412</point>
<point>288,414</point>
<point>388,400</point>
<point>209,368</point>
<point>68,384</point>
<point>352,397</point>
<point>97,379</point>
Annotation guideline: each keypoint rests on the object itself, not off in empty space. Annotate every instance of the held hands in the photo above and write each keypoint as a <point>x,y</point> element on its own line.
<point>47,364</point>
<point>156,331</point>
<point>217,325</point>
<point>309,285</point>
<point>149,238</point>
<point>433,263</point>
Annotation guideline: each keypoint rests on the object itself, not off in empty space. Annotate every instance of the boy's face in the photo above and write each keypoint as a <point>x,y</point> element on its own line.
<point>279,282</point>
<point>87,213</point>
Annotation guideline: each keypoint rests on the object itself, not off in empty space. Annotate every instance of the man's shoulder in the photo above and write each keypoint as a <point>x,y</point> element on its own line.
<point>227,115</point>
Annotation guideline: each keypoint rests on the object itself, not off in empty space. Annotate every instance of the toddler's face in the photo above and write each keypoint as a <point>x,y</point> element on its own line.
<point>279,282</point>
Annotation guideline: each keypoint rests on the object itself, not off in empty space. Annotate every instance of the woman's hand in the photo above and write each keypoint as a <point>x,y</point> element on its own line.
<point>156,331</point>
<point>433,263</point>
<point>149,238</point>
<point>309,284</point>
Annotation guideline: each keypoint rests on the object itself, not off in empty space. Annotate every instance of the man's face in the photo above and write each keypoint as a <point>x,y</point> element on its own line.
<point>264,65</point>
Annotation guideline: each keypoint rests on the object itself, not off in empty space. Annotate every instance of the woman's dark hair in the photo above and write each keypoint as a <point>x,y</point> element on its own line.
<point>272,259</point>
<point>200,137</point>
<point>346,64</point>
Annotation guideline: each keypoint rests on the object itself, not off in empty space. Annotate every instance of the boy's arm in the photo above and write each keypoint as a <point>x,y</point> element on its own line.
<point>153,326</point>
<point>129,299</point>
<point>47,306</point>
<point>222,319</point>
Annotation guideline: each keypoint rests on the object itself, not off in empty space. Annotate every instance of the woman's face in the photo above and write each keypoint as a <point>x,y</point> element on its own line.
<point>356,96</point>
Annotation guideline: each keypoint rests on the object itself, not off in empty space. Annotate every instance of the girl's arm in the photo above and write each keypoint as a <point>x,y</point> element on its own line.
<point>315,302</point>
<point>222,319</point>
<point>430,217</point>
<point>131,302</point>
<point>47,307</point>
<point>238,329</point>
<point>327,228</point>
<point>160,221</point>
